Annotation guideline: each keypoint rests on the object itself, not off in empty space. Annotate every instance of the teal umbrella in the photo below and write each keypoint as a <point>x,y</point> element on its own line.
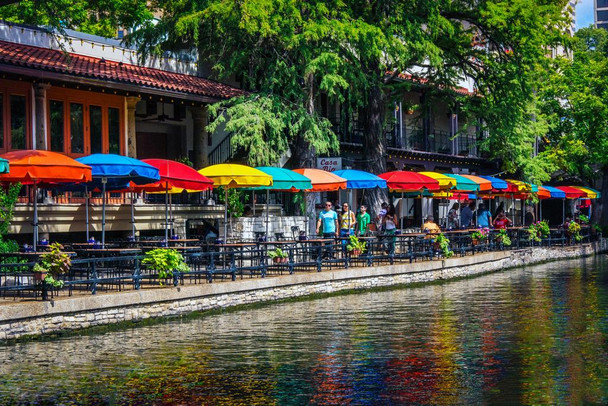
<point>282,179</point>
<point>3,165</point>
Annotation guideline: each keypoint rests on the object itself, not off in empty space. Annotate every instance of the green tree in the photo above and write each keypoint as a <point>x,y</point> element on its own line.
<point>99,17</point>
<point>576,102</point>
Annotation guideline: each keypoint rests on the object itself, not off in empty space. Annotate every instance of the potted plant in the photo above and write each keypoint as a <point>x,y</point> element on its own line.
<point>355,246</point>
<point>278,256</point>
<point>539,230</point>
<point>575,229</point>
<point>583,219</point>
<point>478,235</point>
<point>53,263</point>
<point>165,261</point>
<point>442,243</point>
<point>503,238</point>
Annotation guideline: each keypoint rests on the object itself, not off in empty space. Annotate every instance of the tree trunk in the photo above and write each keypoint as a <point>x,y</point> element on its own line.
<point>304,156</point>
<point>375,145</point>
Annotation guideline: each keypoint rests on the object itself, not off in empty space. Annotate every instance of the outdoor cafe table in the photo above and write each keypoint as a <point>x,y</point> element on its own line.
<point>108,252</point>
<point>185,241</point>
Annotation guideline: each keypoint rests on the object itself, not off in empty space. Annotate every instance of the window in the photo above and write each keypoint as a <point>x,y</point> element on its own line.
<point>602,15</point>
<point>602,3</point>
<point>56,115</point>
<point>76,128</point>
<point>114,130</point>
<point>95,129</point>
<point>15,127</point>
<point>82,123</point>
<point>604,26</point>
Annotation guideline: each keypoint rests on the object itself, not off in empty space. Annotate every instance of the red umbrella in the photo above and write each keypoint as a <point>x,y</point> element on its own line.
<point>571,192</point>
<point>408,181</point>
<point>173,175</point>
<point>32,167</point>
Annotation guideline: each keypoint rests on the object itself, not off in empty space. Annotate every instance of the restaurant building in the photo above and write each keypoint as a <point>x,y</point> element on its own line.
<point>80,94</point>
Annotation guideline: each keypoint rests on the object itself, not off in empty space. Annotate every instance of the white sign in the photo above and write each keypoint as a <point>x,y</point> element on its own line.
<point>329,164</point>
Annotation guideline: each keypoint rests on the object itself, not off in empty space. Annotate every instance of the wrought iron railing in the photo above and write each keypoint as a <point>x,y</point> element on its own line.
<point>213,263</point>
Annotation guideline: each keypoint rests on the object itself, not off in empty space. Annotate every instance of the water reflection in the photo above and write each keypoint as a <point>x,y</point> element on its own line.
<point>529,336</point>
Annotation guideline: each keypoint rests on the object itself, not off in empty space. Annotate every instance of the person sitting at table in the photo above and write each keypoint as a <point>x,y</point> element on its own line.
<point>501,222</point>
<point>363,220</point>
<point>380,216</point>
<point>453,216</point>
<point>430,227</point>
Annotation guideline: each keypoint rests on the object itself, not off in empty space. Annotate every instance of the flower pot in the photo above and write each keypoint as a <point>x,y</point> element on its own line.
<point>475,241</point>
<point>39,276</point>
<point>355,253</point>
<point>284,260</point>
<point>276,260</point>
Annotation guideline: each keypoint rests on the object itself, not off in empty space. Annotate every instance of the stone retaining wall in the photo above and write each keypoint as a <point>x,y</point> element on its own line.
<point>18,320</point>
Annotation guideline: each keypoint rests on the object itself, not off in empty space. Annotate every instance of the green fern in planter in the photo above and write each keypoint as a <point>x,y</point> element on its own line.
<point>165,261</point>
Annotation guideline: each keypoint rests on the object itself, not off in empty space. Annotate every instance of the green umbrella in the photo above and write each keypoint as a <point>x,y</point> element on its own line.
<point>3,165</point>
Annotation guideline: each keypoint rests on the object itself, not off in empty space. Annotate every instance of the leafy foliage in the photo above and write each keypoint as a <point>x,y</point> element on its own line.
<point>8,198</point>
<point>236,197</point>
<point>575,230</point>
<point>55,261</point>
<point>503,237</point>
<point>480,234</point>
<point>165,261</point>
<point>277,253</point>
<point>443,243</point>
<point>101,17</point>
<point>355,244</point>
<point>265,126</point>
<point>539,230</point>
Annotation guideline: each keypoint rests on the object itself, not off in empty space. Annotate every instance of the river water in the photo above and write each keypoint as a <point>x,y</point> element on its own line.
<point>535,335</point>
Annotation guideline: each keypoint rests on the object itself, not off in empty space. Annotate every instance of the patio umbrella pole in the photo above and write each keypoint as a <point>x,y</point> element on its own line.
<point>167,213</point>
<point>267,209</point>
<point>421,207</point>
<point>86,209</point>
<point>171,232</point>
<point>563,211</point>
<point>253,201</point>
<point>540,209</point>
<point>225,214</point>
<point>513,208</point>
<point>132,216</point>
<point>35,215</point>
<point>103,212</point>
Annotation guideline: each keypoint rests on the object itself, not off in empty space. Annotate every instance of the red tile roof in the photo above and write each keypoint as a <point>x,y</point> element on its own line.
<point>95,68</point>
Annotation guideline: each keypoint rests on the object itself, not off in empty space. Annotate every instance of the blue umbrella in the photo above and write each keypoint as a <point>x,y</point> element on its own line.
<point>496,182</point>
<point>360,180</point>
<point>112,171</point>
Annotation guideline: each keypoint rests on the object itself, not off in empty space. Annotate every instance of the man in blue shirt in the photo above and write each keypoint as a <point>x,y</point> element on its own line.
<point>484,218</point>
<point>329,219</point>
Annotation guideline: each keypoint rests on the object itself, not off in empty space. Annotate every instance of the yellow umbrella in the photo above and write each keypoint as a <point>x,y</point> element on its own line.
<point>236,176</point>
<point>445,182</point>
<point>232,176</point>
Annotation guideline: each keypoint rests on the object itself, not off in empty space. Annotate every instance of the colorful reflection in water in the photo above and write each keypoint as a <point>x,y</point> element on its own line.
<point>536,335</point>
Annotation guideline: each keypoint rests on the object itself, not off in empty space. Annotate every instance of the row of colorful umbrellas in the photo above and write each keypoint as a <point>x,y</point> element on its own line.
<point>114,172</point>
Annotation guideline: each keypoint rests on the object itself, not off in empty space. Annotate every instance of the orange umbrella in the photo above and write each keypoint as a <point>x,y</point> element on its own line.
<point>322,181</point>
<point>32,167</point>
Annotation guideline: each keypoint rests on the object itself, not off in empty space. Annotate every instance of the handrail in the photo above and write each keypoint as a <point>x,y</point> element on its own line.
<point>222,151</point>
<point>220,262</point>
